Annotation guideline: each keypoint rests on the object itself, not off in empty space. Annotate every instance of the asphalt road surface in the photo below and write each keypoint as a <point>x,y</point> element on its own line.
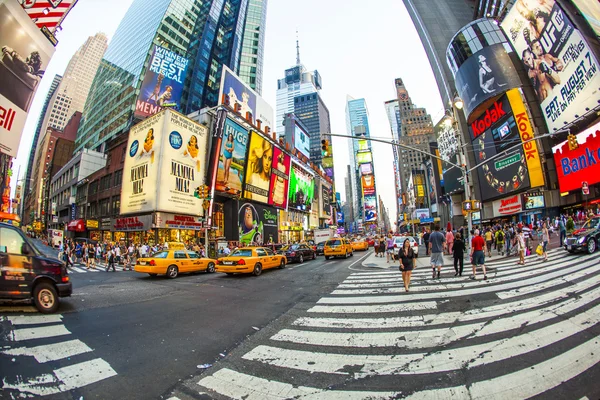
<point>337,329</point>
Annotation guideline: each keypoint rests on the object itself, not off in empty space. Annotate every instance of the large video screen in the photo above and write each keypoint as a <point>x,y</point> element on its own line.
<point>302,189</point>
<point>301,141</point>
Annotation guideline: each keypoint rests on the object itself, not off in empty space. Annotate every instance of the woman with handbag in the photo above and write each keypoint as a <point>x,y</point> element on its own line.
<point>408,262</point>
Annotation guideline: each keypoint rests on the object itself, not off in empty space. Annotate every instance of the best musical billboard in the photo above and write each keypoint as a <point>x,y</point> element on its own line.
<point>162,86</point>
<point>280,178</point>
<point>484,75</point>
<point>248,100</point>
<point>499,129</point>
<point>580,164</point>
<point>302,189</point>
<point>164,166</point>
<point>232,159</point>
<point>559,62</point>
<point>24,57</point>
<point>257,224</point>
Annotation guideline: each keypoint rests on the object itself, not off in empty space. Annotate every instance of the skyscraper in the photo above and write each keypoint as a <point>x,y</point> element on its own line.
<point>209,34</point>
<point>392,109</point>
<point>313,113</point>
<point>251,63</point>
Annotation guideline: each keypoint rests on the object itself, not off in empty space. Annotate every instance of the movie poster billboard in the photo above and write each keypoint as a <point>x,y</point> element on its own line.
<point>257,224</point>
<point>248,100</point>
<point>559,62</point>
<point>581,164</point>
<point>497,131</point>
<point>325,200</point>
<point>162,86</point>
<point>24,56</point>
<point>258,168</point>
<point>301,141</point>
<point>232,158</point>
<point>164,166</point>
<point>368,184</point>
<point>484,75</point>
<point>302,189</point>
<point>280,178</point>
<point>431,184</point>
<point>370,204</point>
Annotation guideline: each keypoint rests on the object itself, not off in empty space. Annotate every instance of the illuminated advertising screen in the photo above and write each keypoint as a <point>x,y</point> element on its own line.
<point>363,157</point>
<point>302,189</point>
<point>363,145</point>
<point>24,57</point>
<point>164,166</point>
<point>258,169</point>
<point>532,201</point>
<point>497,130</point>
<point>559,62</point>
<point>301,141</point>
<point>257,224</point>
<point>431,186</point>
<point>326,201</point>
<point>581,164</point>
<point>366,169</point>
<point>280,178</point>
<point>370,203</point>
<point>232,159</point>
<point>422,213</point>
<point>163,83</point>
<point>368,184</point>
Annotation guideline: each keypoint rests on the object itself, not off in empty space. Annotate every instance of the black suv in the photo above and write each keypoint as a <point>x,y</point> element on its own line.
<point>26,273</point>
<point>585,238</point>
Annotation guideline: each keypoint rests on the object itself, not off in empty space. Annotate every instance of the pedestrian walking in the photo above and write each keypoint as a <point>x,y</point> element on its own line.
<point>408,262</point>
<point>389,251</point>
<point>545,240</point>
<point>521,246</point>
<point>426,240</point>
<point>458,254</point>
<point>382,245</point>
<point>449,241</point>
<point>376,246</point>
<point>489,240</point>
<point>562,231</point>
<point>437,243</point>
<point>478,248</point>
<point>500,241</point>
<point>110,259</point>
<point>92,255</point>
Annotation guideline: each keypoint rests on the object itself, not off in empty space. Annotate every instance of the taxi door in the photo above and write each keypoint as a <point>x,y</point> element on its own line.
<point>273,258</point>
<point>264,258</point>
<point>196,263</point>
<point>182,261</point>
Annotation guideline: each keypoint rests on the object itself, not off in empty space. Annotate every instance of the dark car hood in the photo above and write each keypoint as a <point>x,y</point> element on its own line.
<point>583,232</point>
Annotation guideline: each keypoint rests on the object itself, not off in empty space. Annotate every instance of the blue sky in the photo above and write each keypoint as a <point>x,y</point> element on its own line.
<point>357,47</point>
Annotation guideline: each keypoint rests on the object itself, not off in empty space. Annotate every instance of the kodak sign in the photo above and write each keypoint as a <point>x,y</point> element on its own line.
<point>532,155</point>
<point>485,122</point>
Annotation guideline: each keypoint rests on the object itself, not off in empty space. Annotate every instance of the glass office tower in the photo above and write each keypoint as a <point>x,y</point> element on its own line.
<point>251,63</point>
<point>208,33</point>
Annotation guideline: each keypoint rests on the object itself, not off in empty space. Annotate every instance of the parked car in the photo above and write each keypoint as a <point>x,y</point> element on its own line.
<point>26,273</point>
<point>174,261</point>
<point>250,260</point>
<point>371,241</point>
<point>585,238</point>
<point>399,240</point>
<point>320,249</point>
<point>338,247</point>
<point>359,245</point>
<point>298,252</point>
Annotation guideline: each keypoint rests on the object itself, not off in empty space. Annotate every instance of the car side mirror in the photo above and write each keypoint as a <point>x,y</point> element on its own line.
<point>25,249</point>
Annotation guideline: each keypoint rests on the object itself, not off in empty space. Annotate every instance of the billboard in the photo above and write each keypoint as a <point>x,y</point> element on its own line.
<point>301,141</point>
<point>368,184</point>
<point>484,75</point>
<point>163,83</point>
<point>580,164</point>
<point>24,56</point>
<point>232,159</point>
<point>431,182</point>
<point>507,206</point>
<point>48,20</point>
<point>257,224</point>
<point>496,131</point>
<point>422,213</point>
<point>364,157</point>
<point>302,189</point>
<point>531,201</point>
<point>370,203</point>
<point>280,178</point>
<point>258,169</point>
<point>366,169</point>
<point>247,99</point>
<point>419,187</point>
<point>559,62</point>
<point>325,201</point>
<point>164,165</point>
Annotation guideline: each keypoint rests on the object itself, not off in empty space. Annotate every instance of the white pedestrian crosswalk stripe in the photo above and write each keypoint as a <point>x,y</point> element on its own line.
<point>46,340</point>
<point>538,332</point>
<point>99,267</point>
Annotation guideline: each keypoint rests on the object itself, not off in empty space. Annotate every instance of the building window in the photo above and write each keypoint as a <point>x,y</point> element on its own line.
<point>118,178</point>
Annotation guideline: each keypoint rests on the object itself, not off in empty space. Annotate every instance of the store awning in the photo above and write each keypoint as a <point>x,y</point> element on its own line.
<point>77,225</point>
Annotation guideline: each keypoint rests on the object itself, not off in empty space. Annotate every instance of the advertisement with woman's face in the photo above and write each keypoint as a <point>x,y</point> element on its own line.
<point>280,178</point>
<point>232,159</point>
<point>258,169</point>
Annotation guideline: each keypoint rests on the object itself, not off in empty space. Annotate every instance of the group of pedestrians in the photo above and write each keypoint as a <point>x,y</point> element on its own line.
<point>384,245</point>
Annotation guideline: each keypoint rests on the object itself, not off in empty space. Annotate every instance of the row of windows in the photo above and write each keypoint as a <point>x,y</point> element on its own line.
<point>474,37</point>
<point>106,182</point>
<point>68,176</point>
<point>105,207</point>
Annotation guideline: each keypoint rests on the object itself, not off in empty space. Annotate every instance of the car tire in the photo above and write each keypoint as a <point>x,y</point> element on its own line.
<point>327,257</point>
<point>300,258</point>
<point>153,275</point>
<point>172,271</point>
<point>282,264</point>
<point>591,246</point>
<point>45,298</point>
<point>210,268</point>
<point>571,251</point>
<point>257,269</point>
<point>346,255</point>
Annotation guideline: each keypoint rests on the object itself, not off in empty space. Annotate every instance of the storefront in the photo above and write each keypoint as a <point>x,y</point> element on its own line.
<point>293,226</point>
<point>77,226</point>
<point>179,228</point>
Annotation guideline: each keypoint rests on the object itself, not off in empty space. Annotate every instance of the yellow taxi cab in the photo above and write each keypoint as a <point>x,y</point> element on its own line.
<point>250,260</point>
<point>360,244</point>
<point>173,261</point>
<point>338,247</point>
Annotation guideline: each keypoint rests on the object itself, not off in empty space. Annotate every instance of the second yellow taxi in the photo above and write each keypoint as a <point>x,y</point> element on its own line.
<point>360,245</point>
<point>252,260</point>
<point>174,261</point>
<point>338,247</point>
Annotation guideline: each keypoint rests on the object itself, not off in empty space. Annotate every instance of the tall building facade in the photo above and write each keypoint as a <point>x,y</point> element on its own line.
<point>209,34</point>
<point>416,131</point>
<point>297,82</point>
<point>313,113</point>
<point>251,62</point>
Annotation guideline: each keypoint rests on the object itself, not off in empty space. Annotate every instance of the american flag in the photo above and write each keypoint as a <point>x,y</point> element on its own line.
<point>48,13</point>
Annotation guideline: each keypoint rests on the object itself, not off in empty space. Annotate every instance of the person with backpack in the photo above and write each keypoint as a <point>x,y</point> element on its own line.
<point>500,241</point>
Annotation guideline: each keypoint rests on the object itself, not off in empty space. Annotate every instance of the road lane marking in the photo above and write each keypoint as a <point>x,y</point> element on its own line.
<point>377,308</point>
<point>84,373</point>
<point>34,319</point>
<point>51,352</point>
<point>39,332</point>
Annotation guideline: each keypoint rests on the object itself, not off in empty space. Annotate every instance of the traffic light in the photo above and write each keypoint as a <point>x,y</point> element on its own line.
<point>468,205</point>
<point>572,139</point>
<point>325,147</point>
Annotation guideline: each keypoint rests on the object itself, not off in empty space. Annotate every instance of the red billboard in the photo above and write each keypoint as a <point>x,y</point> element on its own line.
<point>579,161</point>
<point>280,178</point>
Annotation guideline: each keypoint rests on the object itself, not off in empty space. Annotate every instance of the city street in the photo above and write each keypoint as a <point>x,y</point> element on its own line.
<point>322,329</point>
